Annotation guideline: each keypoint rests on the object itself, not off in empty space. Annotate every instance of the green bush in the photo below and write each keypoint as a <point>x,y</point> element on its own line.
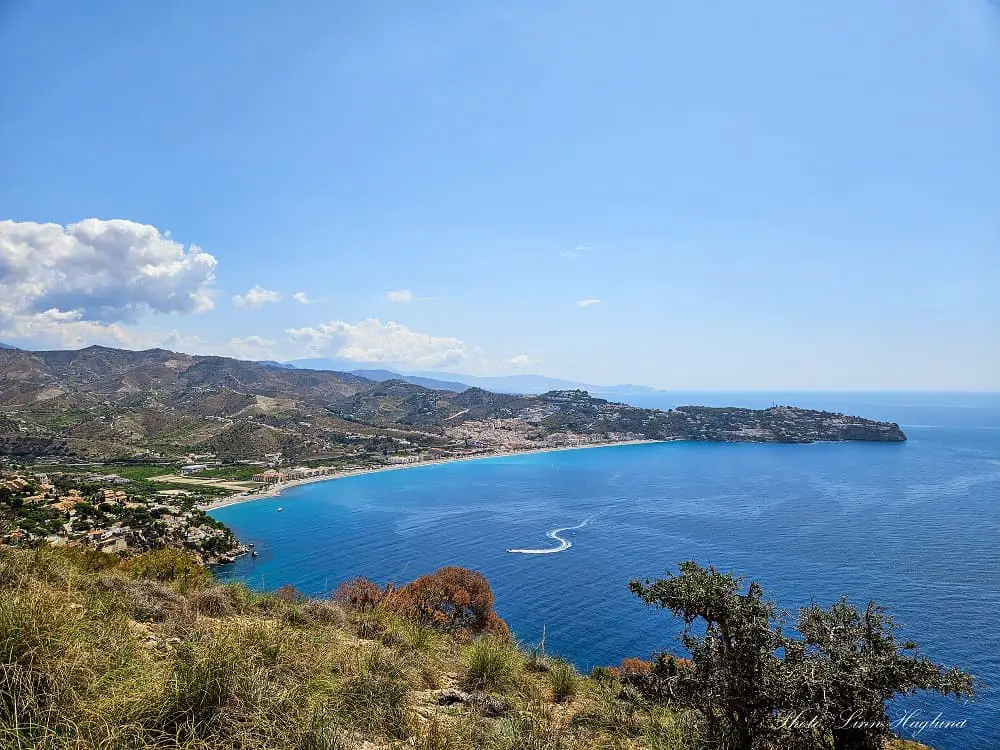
<point>169,566</point>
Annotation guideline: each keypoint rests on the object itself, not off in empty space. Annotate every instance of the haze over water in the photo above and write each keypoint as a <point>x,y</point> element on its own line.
<point>912,525</point>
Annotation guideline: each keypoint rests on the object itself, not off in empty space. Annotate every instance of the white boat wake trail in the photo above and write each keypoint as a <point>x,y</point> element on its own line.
<point>564,544</point>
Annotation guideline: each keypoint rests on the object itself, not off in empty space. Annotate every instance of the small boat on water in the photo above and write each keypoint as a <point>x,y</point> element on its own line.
<point>279,509</point>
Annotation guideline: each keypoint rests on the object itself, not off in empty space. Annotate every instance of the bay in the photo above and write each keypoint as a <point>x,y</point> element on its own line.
<point>912,525</point>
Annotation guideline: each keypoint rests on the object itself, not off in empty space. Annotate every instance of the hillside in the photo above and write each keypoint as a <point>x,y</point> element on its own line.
<point>99,652</point>
<point>101,403</point>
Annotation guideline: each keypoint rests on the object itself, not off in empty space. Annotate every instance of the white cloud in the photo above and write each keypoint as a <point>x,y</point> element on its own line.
<point>256,298</point>
<point>304,299</point>
<point>372,340</point>
<point>67,330</point>
<point>586,302</point>
<point>404,296</point>
<point>81,282</point>
<point>575,252</point>
<point>522,360</point>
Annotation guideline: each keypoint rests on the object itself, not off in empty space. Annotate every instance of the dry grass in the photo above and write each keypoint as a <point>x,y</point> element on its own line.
<point>94,655</point>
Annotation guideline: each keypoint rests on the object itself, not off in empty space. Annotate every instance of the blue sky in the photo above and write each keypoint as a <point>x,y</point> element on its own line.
<point>684,195</point>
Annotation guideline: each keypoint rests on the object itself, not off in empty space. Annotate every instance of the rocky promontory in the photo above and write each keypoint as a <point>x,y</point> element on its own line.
<point>778,424</point>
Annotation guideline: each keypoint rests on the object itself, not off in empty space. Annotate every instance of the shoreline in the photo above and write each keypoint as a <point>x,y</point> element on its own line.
<point>278,488</point>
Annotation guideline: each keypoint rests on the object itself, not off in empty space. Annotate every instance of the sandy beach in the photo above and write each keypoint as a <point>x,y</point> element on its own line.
<point>276,489</point>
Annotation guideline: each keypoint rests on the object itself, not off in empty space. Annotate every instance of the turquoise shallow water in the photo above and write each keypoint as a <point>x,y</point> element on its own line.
<point>914,526</point>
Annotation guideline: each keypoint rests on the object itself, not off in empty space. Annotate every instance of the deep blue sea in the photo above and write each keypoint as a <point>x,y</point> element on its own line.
<point>915,526</point>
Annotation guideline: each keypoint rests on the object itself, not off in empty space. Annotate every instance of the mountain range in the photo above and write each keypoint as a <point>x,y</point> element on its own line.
<point>102,403</point>
<point>450,381</point>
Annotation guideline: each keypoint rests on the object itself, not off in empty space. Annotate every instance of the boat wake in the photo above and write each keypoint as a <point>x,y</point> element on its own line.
<point>564,544</point>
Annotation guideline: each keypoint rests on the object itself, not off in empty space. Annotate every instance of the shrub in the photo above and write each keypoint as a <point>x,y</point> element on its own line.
<point>214,601</point>
<point>491,663</point>
<point>376,625</point>
<point>323,613</point>
<point>603,674</point>
<point>563,679</point>
<point>169,566</point>
<point>289,594</point>
<point>746,671</point>
<point>452,599</point>
<point>143,600</point>
<point>359,594</point>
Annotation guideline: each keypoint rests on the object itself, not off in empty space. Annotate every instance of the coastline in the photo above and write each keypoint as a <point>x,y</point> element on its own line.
<point>278,488</point>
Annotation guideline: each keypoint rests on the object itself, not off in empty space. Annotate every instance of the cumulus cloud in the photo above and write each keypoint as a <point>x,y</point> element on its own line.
<point>85,280</point>
<point>403,296</point>
<point>521,360</point>
<point>256,298</point>
<point>586,302</point>
<point>372,340</point>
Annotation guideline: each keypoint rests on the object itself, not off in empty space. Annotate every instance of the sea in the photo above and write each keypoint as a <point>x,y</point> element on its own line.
<point>914,526</point>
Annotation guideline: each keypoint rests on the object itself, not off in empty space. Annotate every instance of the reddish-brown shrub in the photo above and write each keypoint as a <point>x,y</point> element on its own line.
<point>633,667</point>
<point>452,599</point>
<point>652,679</point>
<point>359,594</point>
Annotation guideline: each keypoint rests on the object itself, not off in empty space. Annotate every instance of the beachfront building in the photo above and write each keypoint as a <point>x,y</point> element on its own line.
<point>269,477</point>
<point>404,459</point>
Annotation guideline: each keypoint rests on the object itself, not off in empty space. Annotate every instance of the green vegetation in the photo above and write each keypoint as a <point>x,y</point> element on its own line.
<point>102,654</point>
<point>88,510</point>
<point>563,679</point>
<point>234,472</point>
<point>99,653</point>
<point>134,472</point>
<point>752,685</point>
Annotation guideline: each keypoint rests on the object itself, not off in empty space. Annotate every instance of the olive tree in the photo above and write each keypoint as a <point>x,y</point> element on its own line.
<point>736,681</point>
<point>755,686</point>
<point>850,664</point>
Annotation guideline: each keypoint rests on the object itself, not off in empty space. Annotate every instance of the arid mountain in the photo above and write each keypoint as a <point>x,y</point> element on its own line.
<point>110,403</point>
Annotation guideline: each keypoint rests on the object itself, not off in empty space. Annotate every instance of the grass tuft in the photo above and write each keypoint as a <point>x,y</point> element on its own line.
<point>491,664</point>
<point>563,680</point>
<point>375,701</point>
